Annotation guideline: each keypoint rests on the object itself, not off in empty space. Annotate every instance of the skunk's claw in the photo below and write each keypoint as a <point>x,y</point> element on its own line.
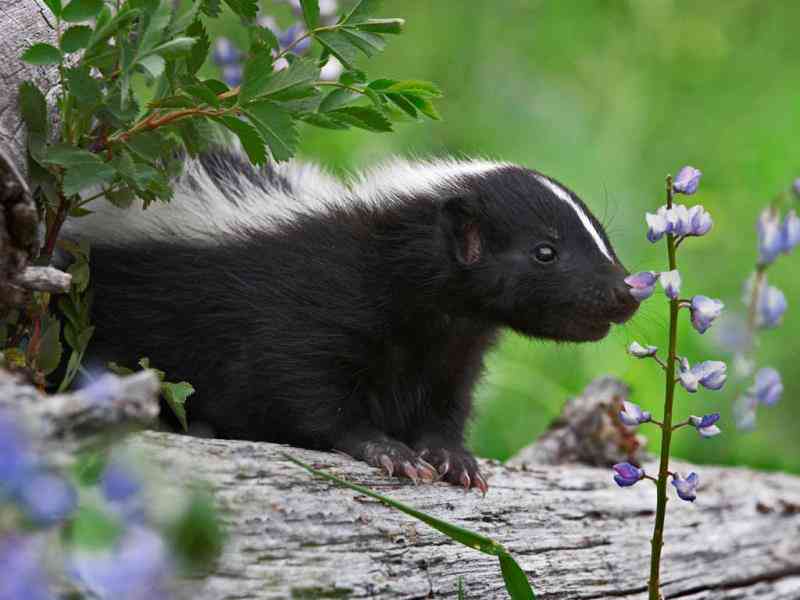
<point>397,459</point>
<point>455,466</point>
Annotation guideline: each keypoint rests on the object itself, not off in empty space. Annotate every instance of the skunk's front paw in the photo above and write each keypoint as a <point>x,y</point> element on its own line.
<point>456,466</point>
<point>398,459</point>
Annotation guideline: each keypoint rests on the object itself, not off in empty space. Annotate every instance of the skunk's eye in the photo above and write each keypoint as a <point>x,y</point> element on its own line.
<point>544,253</point>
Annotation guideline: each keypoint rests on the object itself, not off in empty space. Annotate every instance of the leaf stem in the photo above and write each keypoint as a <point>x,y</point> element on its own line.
<point>657,542</point>
<point>340,85</point>
<point>306,35</point>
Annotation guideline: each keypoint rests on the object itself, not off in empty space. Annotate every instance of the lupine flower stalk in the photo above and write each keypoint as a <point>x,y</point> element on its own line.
<point>676,223</point>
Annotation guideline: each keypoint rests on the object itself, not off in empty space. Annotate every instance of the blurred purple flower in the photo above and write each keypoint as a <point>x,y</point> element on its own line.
<point>671,282</point>
<point>47,498</point>
<point>632,414</point>
<point>639,351</point>
<point>770,238</point>
<point>626,474</point>
<point>771,304</point>
<point>118,484</point>
<point>704,311</point>
<point>293,33</point>
<point>16,460</point>
<point>23,577</point>
<point>700,222</point>
<point>744,412</point>
<point>103,390</point>
<point>642,284</point>
<point>796,187</point>
<point>137,568</point>
<point>706,425</point>
<point>790,232</point>
<point>686,488</point>
<point>711,374</point>
<point>327,8</point>
<point>768,386</point>
<point>232,74</point>
<point>686,181</point>
<point>225,53</point>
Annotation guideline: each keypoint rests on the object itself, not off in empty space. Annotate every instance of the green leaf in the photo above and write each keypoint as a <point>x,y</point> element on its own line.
<point>92,529</point>
<point>89,467</point>
<point>424,105</point>
<point>153,64</point>
<point>339,45</point>
<point>275,126</point>
<point>403,104</point>
<point>50,346</point>
<point>176,394</point>
<point>54,6</point>
<point>300,73</point>
<point>84,87</point>
<point>361,11</point>
<point>257,72</point>
<point>211,7</point>
<point>337,98</point>
<point>310,13</point>
<point>119,369</point>
<point>121,197</point>
<point>33,107</point>
<point>173,48</point>
<point>81,10</point>
<point>42,54</point>
<point>68,156</point>
<point>262,39</point>
<point>80,275</point>
<point>364,118</point>
<point>517,584</point>
<point>369,43</point>
<point>202,94</point>
<point>413,86</point>
<point>390,26</point>
<point>75,38</point>
<point>324,121</point>
<point>199,52</point>
<point>251,141</point>
<point>246,9</point>
<point>80,177</point>
<point>196,537</point>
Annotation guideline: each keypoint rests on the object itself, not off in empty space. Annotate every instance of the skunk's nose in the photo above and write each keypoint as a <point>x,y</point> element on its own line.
<point>626,304</point>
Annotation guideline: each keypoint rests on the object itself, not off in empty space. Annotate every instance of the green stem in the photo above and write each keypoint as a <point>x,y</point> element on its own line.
<point>339,85</point>
<point>657,542</point>
<point>306,35</point>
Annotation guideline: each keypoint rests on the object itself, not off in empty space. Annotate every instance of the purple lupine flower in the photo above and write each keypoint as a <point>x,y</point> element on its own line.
<point>280,64</point>
<point>686,181</point>
<point>704,311</point>
<point>16,460</point>
<point>768,386</point>
<point>288,37</point>
<point>21,566</point>
<point>103,390</point>
<point>626,474</point>
<point>47,499</point>
<point>137,568</point>
<point>671,282</point>
<point>633,415</point>
<point>686,488</point>
<point>770,238</point>
<point>118,484</point>
<point>711,374</point>
<point>770,307</point>
<point>700,222</point>
<point>681,224</point>
<point>269,22</point>
<point>639,351</point>
<point>790,232</point>
<point>706,425</point>
<point>232,74</point>
<point>225,53</point>
<point>657,224</point>
<point>642,284</point>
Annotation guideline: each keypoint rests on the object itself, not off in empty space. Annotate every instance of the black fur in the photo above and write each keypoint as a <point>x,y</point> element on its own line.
<point>361,328</point>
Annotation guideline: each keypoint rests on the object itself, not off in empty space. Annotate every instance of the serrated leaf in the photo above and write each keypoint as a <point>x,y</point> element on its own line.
<point>324,121</point>
<point>354,76</point>
<point>339,45</point>
<point>81,10</point>
<point>153,64</point>
<point>262,39</point>
<point>361,11</point>
<point>369,43</point>
<point>257,72</point>
<point>159,21</point>
<point>176,394</point>
<point>211,7</point>
<point>337,98</point>
<point>310,12</point>
<point>413,86</point>
<point>121,197</point>
<point>202,94</point>
<point>276,127</point>
<point>84,87</point>
<point>424,105</point>
<point>246,9</point>
<point>80,177</point>
<point>197,134</point>
<point>66,155</point>
<point>50,349</point>
<point>42,54</point>
<point>54,6</point>
<point>199,52</point>
<point>80,275</point>
<point>390,26</point>
<point>33,107</point>
<point>251,140</point>
<point>300,73</point>
<point>403,104</point>
<point>75,38</point>
<point>363,118</point>
<point>173,48</point>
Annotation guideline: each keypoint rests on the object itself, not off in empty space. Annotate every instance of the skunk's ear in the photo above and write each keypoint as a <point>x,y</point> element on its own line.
<point>461,221</point>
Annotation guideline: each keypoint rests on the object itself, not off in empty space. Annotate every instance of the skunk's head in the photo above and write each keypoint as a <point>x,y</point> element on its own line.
<point>529,254</point>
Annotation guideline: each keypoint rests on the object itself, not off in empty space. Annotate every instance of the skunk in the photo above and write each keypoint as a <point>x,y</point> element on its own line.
<point>348,315</point>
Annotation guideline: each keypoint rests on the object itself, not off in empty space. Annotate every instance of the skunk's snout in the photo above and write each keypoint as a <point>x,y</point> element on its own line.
<point>625,305</point>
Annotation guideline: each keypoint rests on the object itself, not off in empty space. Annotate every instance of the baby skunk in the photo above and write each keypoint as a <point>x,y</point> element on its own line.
<point>349,316</point>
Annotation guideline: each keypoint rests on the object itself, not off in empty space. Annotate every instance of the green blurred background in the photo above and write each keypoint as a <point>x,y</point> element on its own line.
<point>609,97</point>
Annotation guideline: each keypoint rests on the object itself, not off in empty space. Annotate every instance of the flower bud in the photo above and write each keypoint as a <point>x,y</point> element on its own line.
<point>686,181</point>
<point>657,224</point>
<point>686,488</point>
<point>626,474</point>
<point>770,236</point>
<point>790,231</point>
<point>705,425</point>
<point>704,311</point>
<point>642,284</point>
<point>768,386</point>
<point>633,415</point>
<point>770,307</point>
<point>671,282</point>
<point>679,220</point>
<point>639,351</point>
<point>700,222</point>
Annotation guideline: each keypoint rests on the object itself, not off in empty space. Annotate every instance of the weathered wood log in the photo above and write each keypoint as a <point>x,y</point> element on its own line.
<point>574,532</point>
